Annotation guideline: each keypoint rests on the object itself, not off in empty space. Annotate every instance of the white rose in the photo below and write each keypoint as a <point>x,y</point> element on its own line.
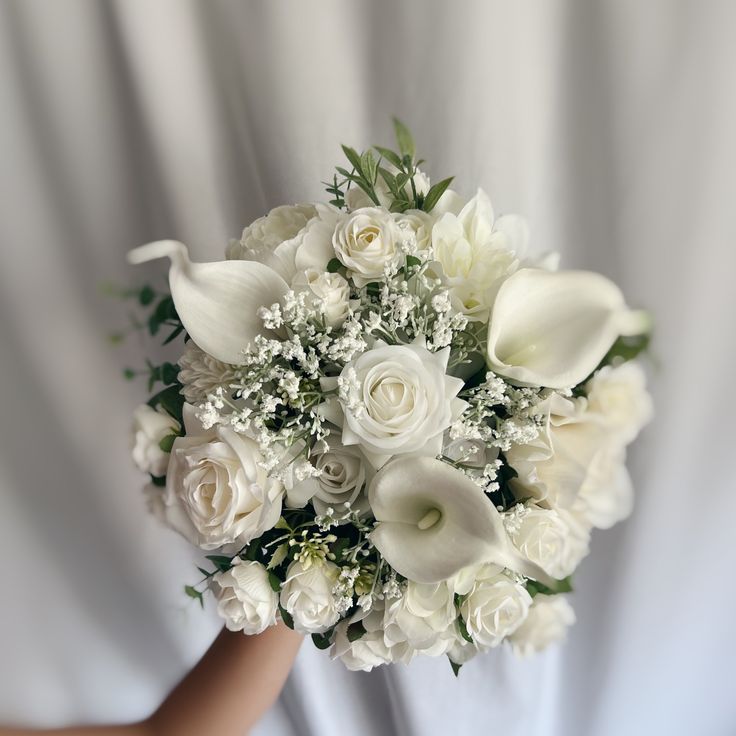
<point>475,254</point>
<point>270,239</point>
<point>150,426</point>
<point>619,396</point>
<point>406,401</point>
<point>415,231</point>
<point>552,538</point>
<point>553,467</point>
<point>245,598</point>
<point>308,595</point>
<point>366,242</point>
<point>344,475</point>
<point>329,294</point>
<point>422,618</point>
<point>495,607</point>
<point>548,620</point>
<point>370,650</point>
<point>217,492</point>
<point>606,495</point>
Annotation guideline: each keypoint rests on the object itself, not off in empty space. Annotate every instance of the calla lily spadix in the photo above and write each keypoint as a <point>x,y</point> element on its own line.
<point>553,328</point>
<point>434,521</point>
<point>217,302</point>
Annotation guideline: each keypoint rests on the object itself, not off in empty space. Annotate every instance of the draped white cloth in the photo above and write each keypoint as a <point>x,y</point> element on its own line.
<point>608,124</point>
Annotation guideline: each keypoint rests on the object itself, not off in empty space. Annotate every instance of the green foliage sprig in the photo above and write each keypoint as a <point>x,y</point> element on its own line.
<point>371,165</point>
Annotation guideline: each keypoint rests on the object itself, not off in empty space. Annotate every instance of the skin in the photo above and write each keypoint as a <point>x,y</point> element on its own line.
<point>227,692</point>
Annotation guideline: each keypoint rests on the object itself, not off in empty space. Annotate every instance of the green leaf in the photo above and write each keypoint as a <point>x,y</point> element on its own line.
<point>435,192</point>
<point>352,155</point>
<point>171,401</point>
<point>286,617</point>
<point>278,556</point>
<point>129,374</point>
<point>274,582</point>
<point>146,295</point>
<point>334,265</point>
<point>221,562</point>
<point>355,631</point>
<point>165,310</point>
<point>282,524</point>
<point>158,480</point>
<point>204,572</point>
<point>400,205</point>
<point>323,641</point>
<point>173,334</point>
<point>253,549</point>
<point>628,348</point>
<point>390,156</point>
<point>404,139</point>
<point>369,166</point>
<point>413,262</point>
<point>455,667</point>
<point>534,587</point>
<point>169,373</point>
<point>462,627</point>
<point>192,592</point>
<point>166,443</point>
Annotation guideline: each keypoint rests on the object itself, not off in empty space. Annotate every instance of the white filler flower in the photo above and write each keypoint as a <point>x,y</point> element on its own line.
<point>245,598</point>
<point>150,426</point>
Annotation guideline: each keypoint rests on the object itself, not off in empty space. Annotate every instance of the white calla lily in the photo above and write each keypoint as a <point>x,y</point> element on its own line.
<point>217,302</point>
<point>552,328</point>
<point>433,521</point>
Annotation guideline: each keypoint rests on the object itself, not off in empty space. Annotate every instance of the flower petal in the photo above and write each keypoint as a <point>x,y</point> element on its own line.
<point>434,521</point>
<point>553,328</point>
<point>216,302</point>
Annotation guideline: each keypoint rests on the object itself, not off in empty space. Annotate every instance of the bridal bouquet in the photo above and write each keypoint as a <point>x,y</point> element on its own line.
<point>390,426</point>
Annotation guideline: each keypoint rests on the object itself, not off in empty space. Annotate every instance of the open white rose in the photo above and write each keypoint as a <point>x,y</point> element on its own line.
<point>422,618</point>
<point>553,467</point>
<point>271,239</point>
<point>371,649</point>
<point>415,231</point>
<point>552,538</point>
<point>495,607</point>
<point>407,400</point>
<point>245,599</point>
<point>475,254</point>
<point>308,595</point>
<point>619,396</point>
<point>150,426</point>
<point>434,521</point>
<point>606,495</point>
<point>329,294</point>
<point>548,620</point>
<point>552,328</point>
<point>366,242</point>
<point>217,302</point>
<point>217,492</point>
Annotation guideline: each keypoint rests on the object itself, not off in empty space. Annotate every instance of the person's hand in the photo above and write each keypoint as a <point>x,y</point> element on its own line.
<point>227,692</point>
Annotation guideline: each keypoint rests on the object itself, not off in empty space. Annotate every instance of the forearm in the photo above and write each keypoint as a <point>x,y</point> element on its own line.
<point>226,693</point>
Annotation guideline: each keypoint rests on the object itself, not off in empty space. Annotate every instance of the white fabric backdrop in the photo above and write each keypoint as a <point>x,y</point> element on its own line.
<point>609,124</point>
